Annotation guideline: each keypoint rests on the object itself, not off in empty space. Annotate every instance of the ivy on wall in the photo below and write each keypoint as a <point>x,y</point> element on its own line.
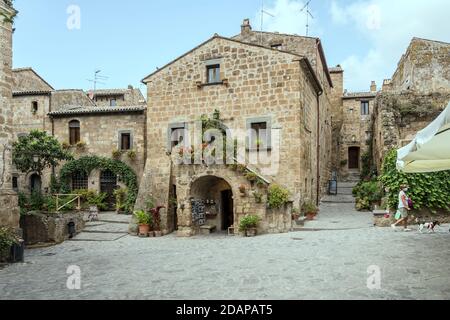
<point>88,163</point>
<point>426,190</point>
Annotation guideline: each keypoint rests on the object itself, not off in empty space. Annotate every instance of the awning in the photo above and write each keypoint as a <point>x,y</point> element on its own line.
<point>430,149</point>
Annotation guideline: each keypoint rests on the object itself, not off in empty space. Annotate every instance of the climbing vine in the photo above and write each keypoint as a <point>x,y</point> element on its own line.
<point>427,190</point>
<point>86,164</point>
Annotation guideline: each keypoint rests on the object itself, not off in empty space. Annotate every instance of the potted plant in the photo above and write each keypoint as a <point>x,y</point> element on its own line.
<point>116,154</point>
<point>154,212</point>
<point>144,221</point>
<point>132,155</point>
<point>295,214</point>
<point>310,210</point>
<point>121,196</point>
<point>249,224</point>
<point>243,189</point>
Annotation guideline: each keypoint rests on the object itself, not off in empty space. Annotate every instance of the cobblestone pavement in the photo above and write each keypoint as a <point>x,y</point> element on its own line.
<point>327,264</point>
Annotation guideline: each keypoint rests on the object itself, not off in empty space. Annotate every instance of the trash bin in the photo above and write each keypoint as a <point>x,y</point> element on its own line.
<point>72,229</point>
<point>17,252</point>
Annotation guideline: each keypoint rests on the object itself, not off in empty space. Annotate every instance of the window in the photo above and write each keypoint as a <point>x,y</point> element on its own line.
<point>260,135</point>
<point>74,132</point>
<point>125,141</point>
<point>34,107</point>
<point>213,73</point>
<point>177,135</point>
<point>365,108</point>
<point>113,102</point>
<point>79,181</point>
<point>15,183</point>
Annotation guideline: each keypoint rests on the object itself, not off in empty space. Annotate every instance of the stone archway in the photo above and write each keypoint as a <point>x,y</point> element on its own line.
<point>212,196</point>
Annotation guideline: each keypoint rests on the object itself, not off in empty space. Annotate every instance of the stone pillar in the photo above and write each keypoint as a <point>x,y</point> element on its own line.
<point>9,209</point>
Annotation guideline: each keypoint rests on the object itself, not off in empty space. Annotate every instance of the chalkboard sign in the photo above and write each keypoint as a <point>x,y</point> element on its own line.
<point>198,212</point>
<point>332,187</point>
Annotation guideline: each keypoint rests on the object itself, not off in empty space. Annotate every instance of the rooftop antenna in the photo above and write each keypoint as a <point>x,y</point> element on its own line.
<point>97,78</point>
<point>263,12</point>
<point>308,14</point>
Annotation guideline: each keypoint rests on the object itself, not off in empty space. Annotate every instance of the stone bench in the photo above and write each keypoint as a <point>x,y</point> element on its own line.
<point>205,230</point>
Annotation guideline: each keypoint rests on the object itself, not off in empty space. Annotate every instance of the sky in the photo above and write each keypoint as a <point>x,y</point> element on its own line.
<point>67,41</point>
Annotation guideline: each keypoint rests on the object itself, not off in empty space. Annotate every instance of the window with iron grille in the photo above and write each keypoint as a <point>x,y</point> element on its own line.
<point>80,181</point>
<point>74,132</point>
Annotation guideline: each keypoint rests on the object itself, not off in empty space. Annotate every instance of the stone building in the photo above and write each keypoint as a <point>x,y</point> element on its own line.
<point>417,93</point>
<point>9,210</point>
<point>352,121</point>
<point>279,89</point>
<point>86,123</point>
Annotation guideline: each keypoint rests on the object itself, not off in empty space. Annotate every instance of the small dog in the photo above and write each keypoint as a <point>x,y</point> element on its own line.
<point>93,215</point>
<point>430,226</point>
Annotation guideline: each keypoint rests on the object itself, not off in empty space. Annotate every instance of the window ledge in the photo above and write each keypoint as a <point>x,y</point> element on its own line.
<point>201,85</point>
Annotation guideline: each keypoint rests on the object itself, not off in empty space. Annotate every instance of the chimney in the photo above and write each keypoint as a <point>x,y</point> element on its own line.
<point>246,27</point>
<point>386,85</point>
<point>373,87</point>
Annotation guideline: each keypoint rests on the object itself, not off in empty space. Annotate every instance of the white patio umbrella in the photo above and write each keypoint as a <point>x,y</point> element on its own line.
<point>430,149</point>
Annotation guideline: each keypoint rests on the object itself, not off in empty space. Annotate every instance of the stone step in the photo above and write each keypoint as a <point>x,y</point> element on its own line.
<point>342,198</point>
<point>347,184</point>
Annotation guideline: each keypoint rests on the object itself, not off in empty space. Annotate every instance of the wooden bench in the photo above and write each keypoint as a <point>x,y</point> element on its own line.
<point>205,230</point>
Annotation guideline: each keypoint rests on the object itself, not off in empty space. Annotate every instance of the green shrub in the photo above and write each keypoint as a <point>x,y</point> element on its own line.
<point>92,198</point>
<point>7,239</point>
<point>121,196</point>
<point>36,201</point>
<point>426,190</point>
<point>309,207</point>
<point>367,193</point>
<point>277,196</point>
<point>143,218</point>
<point>248,222</point>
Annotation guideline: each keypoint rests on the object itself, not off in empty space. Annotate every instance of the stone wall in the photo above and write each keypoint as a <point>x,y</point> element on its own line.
<point>9,211</point>
<point>356,131</point>
<point>260,83</point>
<point>336,101</point>
<point>49,228</point>
<point>101,135</point>
<point>399,116</point>
<point>424,68</point>
<point>25,80</point>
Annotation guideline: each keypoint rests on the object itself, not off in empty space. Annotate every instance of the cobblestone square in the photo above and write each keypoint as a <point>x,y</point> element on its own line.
<point>328,264</point>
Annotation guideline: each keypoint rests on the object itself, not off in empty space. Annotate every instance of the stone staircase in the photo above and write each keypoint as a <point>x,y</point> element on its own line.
<point>345,188</point>
<point>109,227</point>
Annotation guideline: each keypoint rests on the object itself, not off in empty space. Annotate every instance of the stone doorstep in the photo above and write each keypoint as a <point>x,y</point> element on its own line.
<point>106,232</point>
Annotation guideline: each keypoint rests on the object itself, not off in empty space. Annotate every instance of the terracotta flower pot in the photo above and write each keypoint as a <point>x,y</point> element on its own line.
<point>310,216</point>
<point>144,229</point>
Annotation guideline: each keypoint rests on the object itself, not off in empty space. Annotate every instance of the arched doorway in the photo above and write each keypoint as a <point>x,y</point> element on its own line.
<point>35,183</point>
<point>353,158</point>
<point>108,183</point>
<point>212,203</point>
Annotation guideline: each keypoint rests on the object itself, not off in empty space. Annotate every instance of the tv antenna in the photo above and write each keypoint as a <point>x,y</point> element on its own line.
<point>308,15</point>
<point>98,79</point>
<point>263,12</point>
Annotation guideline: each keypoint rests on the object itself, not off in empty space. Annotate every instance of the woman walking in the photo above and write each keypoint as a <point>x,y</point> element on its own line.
<point>403,208</point>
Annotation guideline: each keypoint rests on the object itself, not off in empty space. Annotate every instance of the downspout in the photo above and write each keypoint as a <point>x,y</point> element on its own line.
<point>52,124</point>
<point>318,128</point>
<point>318,148</point>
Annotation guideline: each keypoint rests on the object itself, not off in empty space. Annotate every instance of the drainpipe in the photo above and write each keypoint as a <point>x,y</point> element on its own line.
<point>318,148</point>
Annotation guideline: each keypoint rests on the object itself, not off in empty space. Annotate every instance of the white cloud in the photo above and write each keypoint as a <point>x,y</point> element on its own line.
<point>388,27</point>
<point>288,18</point>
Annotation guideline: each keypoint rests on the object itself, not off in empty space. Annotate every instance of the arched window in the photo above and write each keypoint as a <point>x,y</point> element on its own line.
<point>74,131</point>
